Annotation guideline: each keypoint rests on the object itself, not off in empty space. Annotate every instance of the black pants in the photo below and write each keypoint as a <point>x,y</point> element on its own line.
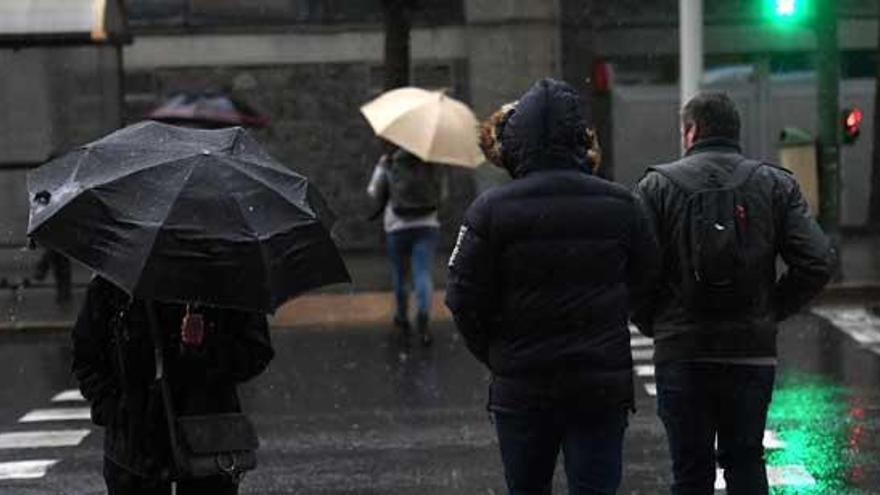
<point>701,401</point>
<point>122,482</point>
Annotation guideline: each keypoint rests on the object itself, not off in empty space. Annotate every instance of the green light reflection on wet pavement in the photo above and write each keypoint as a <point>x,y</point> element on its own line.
<point>810,414</point>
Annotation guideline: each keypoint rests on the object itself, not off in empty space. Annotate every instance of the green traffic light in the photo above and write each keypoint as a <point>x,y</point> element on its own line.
<point>784,12</point>
<point>786,8</point>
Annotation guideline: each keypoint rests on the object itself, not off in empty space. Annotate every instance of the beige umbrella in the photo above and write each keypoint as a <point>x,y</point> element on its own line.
<point>429,124</point>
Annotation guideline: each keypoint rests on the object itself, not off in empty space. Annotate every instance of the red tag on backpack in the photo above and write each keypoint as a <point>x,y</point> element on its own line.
<point>192,329</point>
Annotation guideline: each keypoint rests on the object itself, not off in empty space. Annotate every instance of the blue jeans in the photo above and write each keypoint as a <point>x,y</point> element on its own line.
<point>699,401</point>
<point>417,247</point>
<point>592,445</point>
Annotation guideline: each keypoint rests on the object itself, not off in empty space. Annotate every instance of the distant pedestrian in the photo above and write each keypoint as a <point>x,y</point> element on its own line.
<point>411,191</point>
<point>539,284</point>
<point>722,219</point>
<point>113,360</point>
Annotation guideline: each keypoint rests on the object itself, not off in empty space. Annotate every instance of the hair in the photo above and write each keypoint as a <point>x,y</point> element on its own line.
<point>490,133</point>
<point>714,114</point>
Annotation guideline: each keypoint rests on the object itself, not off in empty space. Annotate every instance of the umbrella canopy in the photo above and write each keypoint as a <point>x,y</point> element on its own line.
<point>429,124</point>
<point>187,215</point>
<point>207,109</point>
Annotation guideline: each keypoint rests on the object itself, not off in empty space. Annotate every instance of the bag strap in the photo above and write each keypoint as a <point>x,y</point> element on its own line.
<point>165,388</point>
<point>742,172</point>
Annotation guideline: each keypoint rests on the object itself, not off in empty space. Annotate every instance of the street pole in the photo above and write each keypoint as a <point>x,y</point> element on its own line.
<point>828,71</point>
<point>690,28</point>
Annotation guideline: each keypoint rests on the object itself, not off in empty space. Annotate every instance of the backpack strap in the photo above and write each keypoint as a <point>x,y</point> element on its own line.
<point>672,171</point>
<point>743,172</point>
<point>677,177</point>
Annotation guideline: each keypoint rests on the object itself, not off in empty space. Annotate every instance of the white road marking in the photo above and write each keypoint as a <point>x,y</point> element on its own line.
<point>24,470</point>
<point>57,414</point>
<point>641,342</point>
<point>858,323</point>
<point>643,354</point>
<point>644,369</point>
<point>633,329</point>
<point>72,395</point>
<point>41,439</point>
<point>651,389</point>
<point>772,441</point>
<point>776,476</point>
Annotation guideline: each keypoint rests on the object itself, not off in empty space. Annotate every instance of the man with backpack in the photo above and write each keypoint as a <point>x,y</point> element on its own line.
<point>411,191</point>
<point>722,219</point>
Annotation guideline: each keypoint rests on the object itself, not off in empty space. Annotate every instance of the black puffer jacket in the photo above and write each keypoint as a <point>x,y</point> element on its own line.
<point>113,362</point>
<point>539,282</point>
<point>780,213</point>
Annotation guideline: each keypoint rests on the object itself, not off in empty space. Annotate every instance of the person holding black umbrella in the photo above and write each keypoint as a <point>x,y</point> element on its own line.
<point>195,235</point>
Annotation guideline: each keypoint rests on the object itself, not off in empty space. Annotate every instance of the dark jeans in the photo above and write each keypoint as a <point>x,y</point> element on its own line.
<point>122,482</point>
<point>592,445</point>
<point>699,401</point>
<point>417,247</point>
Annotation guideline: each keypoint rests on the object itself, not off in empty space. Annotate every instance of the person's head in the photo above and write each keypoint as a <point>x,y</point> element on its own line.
<point>545,129</point>
<point>709,115</point>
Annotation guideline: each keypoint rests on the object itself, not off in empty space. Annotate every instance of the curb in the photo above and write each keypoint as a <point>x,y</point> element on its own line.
<point>362,308</point>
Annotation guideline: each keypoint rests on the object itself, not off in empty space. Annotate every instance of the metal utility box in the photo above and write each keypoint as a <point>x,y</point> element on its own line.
<point>797,153</point>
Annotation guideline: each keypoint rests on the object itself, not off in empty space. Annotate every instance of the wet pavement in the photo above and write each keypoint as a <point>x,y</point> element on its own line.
<point>344,410</point>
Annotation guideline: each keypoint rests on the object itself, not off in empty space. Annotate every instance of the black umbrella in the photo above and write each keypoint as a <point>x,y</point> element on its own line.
<point>187,215</point>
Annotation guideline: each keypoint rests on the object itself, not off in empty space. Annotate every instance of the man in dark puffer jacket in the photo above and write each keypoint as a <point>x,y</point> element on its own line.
<point>715,369</point>
<point>539,286</point>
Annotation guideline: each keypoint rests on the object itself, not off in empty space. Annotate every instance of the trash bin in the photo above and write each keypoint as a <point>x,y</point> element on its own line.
<point>797,153</point>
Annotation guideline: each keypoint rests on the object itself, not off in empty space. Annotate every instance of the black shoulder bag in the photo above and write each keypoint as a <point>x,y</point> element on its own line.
<point>205,445</point>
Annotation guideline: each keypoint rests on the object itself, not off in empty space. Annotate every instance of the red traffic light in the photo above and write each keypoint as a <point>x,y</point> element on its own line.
<point>852,119</point>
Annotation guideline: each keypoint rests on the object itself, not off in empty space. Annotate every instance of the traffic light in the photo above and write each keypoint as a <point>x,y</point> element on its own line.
<point>851,121</point>
<point>787,12</point>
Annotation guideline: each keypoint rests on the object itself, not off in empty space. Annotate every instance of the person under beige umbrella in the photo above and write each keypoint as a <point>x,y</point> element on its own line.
<point>429,124</point>
<point>421,127</point>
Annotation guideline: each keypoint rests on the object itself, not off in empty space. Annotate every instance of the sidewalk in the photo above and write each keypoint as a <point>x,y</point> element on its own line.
<point>367,301</point>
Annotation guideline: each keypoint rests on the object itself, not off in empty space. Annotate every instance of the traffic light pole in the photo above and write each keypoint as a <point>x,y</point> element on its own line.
<point>828,72</point>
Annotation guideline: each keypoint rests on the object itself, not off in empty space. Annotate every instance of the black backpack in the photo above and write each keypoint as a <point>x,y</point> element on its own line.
<point>414,186</point>
<point>720,255</point>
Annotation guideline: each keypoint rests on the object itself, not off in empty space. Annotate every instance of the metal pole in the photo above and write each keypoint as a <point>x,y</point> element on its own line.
<point>690,28</point>
<point>828,70</point>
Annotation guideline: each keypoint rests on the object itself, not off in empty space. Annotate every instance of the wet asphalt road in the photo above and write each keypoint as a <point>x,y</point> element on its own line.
<point>345,411</point>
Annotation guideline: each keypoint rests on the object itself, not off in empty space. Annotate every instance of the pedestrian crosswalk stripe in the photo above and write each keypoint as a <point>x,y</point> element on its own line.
<point>641,341</point>
<point>858,323</point>
<point>776,476</point>
<point>772,441</point>
<point>644,369</point>
<point>57,414</point>
<point>72,395</point>
<point>23,470</point>
<point>651,389</point>
<point>643,354</point>
<point>42,439</point>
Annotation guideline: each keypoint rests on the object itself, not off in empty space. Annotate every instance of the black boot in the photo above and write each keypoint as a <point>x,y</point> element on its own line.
<point>402,330</point>
<point>425,329</point>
